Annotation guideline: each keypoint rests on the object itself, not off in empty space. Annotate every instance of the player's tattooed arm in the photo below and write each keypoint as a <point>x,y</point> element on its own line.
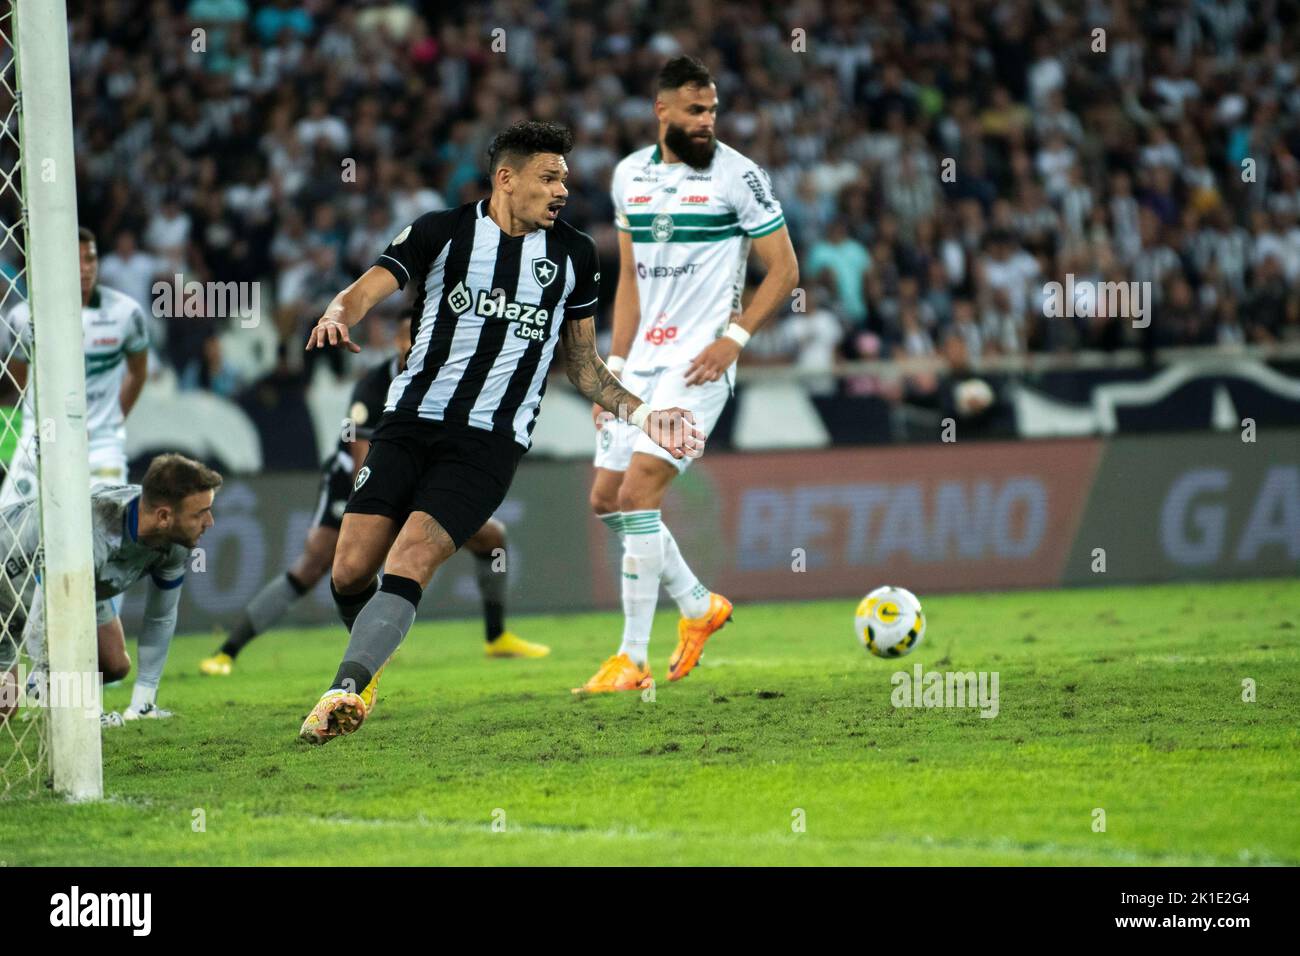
<point>589,375</point>
<point>673,429</point>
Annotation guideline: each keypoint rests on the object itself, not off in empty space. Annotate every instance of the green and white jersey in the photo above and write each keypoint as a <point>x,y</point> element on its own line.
<point>113,327</point>
<point>691,231</point>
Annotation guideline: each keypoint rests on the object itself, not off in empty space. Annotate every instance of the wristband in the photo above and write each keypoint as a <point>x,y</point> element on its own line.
<point>638,417</point>
<point>737,334</point>
<point>616,363</point>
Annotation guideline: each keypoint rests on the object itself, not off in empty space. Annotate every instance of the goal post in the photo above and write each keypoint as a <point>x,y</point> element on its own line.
<point>40,45</point>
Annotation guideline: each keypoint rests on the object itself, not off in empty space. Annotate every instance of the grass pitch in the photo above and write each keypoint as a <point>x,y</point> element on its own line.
<point>1125,700</point>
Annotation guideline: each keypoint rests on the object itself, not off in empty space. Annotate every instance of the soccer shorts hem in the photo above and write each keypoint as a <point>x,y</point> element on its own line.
<point>456,474</point>
<point>617,442</point>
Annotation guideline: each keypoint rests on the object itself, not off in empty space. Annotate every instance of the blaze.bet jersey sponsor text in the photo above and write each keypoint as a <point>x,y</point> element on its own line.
<point>691,232</point>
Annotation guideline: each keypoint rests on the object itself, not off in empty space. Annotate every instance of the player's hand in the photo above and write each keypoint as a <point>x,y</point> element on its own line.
<point>673,430</point>
<point>601,416</point>
<point>711,364</point>
<point>330,332</point>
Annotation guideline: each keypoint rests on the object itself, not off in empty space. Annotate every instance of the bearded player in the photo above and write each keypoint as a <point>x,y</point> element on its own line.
<point>688,211</point>
<point>338,475</point>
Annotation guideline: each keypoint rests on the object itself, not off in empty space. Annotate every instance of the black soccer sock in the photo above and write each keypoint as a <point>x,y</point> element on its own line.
<point>494,617</point>
<point>380,629</point>
<point>352,677</point>
<point>240,634</point>
<point>267,607</point>
<point>492,589</point>
<point>350,605</point>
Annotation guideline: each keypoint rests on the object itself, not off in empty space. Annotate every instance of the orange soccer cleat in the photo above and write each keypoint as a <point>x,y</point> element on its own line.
<point>692,632</point>
<point>620,672</point>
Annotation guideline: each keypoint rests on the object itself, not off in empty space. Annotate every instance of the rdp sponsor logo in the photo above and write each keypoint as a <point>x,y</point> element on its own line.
<point>103,909</point>
<point>1195,525</point>
<point>665,272</point>
<point>957,520</point>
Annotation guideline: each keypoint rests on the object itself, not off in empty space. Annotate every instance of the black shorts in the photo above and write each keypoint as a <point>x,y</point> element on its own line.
<point>456,474</point>
<point>335,486</point>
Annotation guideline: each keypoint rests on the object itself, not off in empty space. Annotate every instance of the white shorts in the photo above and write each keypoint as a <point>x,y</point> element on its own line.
<point>616,442</point>
<point>107,467</point>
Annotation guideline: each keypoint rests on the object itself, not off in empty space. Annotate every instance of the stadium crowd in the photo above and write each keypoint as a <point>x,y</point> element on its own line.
<point>938,162</point>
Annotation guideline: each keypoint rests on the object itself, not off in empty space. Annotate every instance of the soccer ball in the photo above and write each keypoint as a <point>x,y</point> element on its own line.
<point>889,622</point>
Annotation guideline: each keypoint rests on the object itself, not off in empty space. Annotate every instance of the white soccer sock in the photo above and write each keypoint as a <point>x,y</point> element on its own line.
<point>691,596</point>
<point>143,696</point>
<point>643,564</point>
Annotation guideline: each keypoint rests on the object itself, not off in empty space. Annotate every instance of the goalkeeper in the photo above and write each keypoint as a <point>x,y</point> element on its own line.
<point>145,530</point>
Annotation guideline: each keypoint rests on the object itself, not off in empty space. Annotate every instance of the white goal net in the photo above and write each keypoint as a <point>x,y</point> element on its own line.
<point>24,734</point>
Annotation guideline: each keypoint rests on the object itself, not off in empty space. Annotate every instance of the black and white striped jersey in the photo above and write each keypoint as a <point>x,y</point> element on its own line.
<point>487,315</point>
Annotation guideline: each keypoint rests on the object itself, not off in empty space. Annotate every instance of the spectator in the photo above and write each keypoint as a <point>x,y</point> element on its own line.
<point>210,371</point>
<point>168,234</point>
<point>847,263</point>
<point>130,269</point>
<point>284,17</point>
<point>816,334</point>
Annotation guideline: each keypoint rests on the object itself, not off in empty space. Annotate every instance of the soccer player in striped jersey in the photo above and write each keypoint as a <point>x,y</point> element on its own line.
<point>499,283</point>
<point>688,210</point>
<point>337,475</point>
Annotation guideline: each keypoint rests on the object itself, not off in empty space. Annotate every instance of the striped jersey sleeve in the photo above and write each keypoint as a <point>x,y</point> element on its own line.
<point>415,247</point>
<point>581,302</point>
